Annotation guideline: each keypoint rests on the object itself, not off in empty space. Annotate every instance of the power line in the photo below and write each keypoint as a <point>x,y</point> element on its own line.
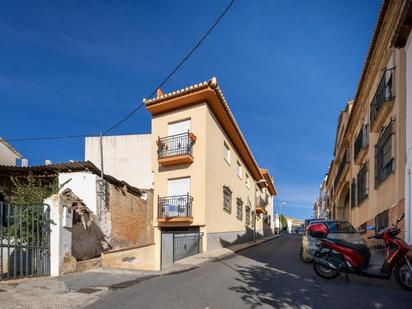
<point>118,123</point>
<point>175,69</point>
<point>47,137</point>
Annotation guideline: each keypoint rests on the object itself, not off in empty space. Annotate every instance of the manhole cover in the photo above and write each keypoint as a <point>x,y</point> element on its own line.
<point>88,290</point>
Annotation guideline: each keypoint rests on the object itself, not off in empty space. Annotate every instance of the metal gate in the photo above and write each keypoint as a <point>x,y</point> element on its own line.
<point>24,241</point>
<point>178,244</point>
<point>186,244</point>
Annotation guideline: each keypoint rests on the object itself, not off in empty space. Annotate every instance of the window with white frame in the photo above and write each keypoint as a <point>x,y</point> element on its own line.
<point>226,153</point>
<point>239,169</point>
<point>247,180</point>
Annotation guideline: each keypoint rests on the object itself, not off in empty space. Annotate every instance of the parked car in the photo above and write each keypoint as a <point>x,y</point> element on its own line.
<point>309,221</point>
<point>336,230</point>
<point>299,230</point>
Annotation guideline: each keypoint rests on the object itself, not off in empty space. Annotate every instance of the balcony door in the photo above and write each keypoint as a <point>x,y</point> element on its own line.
<point>180,127</point>
<point>180,143</point>
<point>177,187</point>
<point>178,191</point>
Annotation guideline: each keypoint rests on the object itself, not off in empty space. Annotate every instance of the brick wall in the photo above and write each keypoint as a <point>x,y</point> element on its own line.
<point>131,218</point>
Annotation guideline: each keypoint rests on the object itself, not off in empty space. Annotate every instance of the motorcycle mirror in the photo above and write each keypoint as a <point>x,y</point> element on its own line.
<point>371,228</point>
<point>399,219</point>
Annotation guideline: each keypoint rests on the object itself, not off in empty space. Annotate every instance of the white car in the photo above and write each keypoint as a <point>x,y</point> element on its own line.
<point>336,230</point>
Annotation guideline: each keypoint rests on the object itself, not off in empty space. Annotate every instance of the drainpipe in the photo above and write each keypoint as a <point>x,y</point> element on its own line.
<point>254,226</point>
<point>408,223</point>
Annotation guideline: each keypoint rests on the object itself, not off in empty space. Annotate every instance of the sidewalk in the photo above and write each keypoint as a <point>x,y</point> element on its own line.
<point>80,289</point>
<point>210,256</point>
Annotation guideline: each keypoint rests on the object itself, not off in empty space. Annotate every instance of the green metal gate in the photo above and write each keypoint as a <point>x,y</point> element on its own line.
<point>24,241</point>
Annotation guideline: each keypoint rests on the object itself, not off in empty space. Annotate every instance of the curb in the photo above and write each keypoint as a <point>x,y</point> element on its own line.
<point>226,254</point>
<point>259,243</point>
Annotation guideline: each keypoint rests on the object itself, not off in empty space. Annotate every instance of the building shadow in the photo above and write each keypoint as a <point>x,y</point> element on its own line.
<point>285,282</point>
<point>246,236</point>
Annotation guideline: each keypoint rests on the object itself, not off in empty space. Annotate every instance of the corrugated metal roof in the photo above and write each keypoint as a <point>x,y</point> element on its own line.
<point>67,167</point>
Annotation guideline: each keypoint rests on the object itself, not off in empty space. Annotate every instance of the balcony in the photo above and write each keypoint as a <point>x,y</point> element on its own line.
<point>175,149</point>
<point>342,169</point>
<point>262,200</point>
<point>361,145</point>
<point>175,209</point>
<point>383,101</point>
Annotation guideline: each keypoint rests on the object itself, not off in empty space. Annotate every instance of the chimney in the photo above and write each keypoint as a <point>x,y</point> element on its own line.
<point>47,162</point>
<point>159,93</point>
<point>24,162</point>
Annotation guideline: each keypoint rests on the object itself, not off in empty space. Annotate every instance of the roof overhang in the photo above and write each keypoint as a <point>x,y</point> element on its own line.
<point>269,181</point>
<point>404,27</point>
<point>210,93</point>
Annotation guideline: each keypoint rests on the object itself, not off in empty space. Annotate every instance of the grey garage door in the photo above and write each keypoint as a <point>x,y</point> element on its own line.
<point>178,244</point>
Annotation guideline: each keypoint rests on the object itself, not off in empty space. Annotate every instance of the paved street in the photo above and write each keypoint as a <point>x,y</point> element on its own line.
<point>269,275</point>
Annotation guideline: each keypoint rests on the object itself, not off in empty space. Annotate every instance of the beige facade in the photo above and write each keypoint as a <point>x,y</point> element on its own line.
<point>366,181</point>
<point>221,191</point>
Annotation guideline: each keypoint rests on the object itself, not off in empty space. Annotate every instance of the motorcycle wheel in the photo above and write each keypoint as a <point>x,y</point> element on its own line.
<point>325,272</point>
<point>403,275</point>
<point>303,258</point>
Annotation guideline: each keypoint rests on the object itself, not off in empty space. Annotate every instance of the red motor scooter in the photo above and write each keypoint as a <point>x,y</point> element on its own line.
<point>336,256</point>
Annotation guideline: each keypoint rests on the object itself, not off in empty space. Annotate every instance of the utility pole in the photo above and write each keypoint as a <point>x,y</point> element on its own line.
<point>102,186</point>
<point>101,156</point>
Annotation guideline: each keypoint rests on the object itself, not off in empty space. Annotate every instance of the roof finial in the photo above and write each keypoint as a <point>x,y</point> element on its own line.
<point>213,82</point>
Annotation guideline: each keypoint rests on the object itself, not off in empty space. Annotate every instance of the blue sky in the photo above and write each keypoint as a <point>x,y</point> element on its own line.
<point>286,68</point>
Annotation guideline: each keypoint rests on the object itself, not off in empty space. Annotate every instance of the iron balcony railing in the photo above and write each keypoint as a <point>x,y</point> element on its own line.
<point>384,158</point>
<point>362,191</point>
<point>262,200</point>
<point>175,145</point>
<point>175,206</point>
<point>343,162</point>
<point>361,141</point>
<point>384,93</point>
<point>353,194</point>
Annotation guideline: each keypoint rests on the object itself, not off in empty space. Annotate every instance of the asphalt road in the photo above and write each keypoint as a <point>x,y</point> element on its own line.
<point>266,276</point>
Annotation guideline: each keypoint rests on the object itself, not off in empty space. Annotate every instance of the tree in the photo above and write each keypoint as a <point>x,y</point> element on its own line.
<point>31,190</point>
<point>25,214</point>
<point>283,222</point>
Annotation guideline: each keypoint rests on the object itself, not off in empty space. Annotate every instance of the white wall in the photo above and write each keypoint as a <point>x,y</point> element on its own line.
<point>84,185</point>
<point>290,224</point>
<point>7,157</point>
<point>61,260</point>
<point>408,176</point>
<point>125,157</point>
